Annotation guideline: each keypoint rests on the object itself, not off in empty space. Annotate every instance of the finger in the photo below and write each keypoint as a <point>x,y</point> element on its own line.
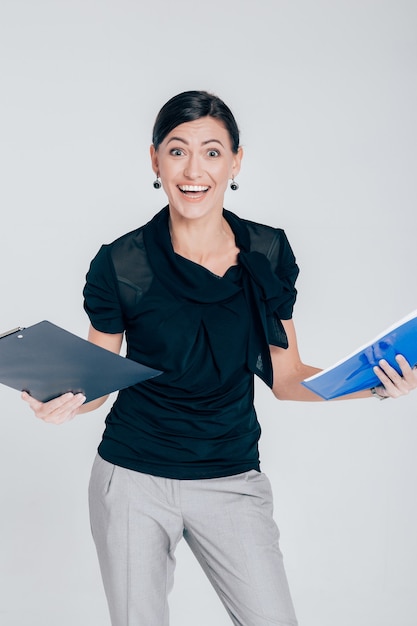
<point>33,403</point>
<point>44,409</point>
<point>395,384</point>
<point>389,378</point>
<point>46,406</point>
<point>63,412</point>
<point>57,410</point>
<point>388,373</point>
<point>409,373</point>
<point>61,401</point>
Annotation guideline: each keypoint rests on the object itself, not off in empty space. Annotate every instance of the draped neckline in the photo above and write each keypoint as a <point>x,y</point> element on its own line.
<point>195,284</point>
<point>187,278</point>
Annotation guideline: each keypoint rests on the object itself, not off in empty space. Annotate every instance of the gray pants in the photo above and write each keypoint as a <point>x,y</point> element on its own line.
<point>137,521</point>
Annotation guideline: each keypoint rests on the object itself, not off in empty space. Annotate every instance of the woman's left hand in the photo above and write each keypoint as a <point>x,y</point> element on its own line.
<point>393,384</point>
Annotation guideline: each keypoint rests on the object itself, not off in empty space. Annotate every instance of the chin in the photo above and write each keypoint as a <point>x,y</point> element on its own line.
<point>193,210</point>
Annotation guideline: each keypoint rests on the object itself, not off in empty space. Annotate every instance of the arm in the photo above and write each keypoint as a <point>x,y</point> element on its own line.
<point>67,406</point>
<point>109,342</point>
<point>290,371</point>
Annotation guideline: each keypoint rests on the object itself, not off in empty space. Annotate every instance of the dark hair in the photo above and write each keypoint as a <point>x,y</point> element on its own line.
<point>190,106</point>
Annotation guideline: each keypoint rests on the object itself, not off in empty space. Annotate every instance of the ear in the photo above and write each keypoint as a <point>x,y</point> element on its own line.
<point>237,160</point>
<point>154,159</point>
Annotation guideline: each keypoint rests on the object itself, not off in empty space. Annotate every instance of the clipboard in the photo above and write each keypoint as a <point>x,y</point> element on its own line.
<point>355,372</point>
<point>46,361</point>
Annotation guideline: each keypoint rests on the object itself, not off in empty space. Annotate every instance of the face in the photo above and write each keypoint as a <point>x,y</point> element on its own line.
<point>195,162</point>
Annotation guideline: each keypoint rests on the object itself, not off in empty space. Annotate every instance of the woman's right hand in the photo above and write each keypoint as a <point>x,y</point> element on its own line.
<point>56,411</point>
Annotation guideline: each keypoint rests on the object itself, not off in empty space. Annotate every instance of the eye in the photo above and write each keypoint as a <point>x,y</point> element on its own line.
<point>213,153</point>
<point>176,152</point>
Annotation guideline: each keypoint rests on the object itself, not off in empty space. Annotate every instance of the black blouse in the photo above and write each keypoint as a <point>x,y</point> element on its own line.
<point>208,334</point>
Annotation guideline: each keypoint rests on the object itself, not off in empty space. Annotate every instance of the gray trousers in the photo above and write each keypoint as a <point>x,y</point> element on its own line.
<point>137,520</point>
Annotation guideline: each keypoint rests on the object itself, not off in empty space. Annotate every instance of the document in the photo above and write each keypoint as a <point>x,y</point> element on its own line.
<point>47,361</point>
<point>355,372</point>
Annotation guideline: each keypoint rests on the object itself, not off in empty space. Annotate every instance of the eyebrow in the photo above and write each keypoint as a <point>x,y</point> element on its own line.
<point>203,143</point>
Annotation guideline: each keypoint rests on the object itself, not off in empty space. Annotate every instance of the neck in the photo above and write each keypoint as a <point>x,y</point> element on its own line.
<point>199,234</point>
<point>208,242</point>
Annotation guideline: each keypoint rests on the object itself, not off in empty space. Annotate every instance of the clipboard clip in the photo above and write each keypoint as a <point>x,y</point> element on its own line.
<point>11,332</point>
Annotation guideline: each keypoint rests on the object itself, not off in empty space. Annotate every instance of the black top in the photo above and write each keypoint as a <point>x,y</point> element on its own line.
<point>208,334</point>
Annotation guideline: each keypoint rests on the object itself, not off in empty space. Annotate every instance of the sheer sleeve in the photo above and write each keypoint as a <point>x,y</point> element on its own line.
<point>101,298</point>
<point>285,267</point>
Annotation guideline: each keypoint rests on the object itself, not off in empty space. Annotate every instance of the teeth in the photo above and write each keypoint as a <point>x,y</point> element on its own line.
<point>192,188</point>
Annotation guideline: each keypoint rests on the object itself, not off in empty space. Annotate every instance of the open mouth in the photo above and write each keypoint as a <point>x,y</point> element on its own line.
<point>193,190</point>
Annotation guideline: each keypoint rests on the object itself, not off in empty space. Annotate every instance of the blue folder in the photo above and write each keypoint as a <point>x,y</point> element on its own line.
<point>47,361</point>
<point>355,372</point>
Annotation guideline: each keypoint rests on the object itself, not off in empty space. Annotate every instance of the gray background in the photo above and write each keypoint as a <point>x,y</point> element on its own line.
<point>325,94</point>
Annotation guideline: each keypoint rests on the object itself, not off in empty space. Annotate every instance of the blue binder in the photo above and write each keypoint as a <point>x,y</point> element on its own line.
<point>47,361</point>
<point>355,372</point>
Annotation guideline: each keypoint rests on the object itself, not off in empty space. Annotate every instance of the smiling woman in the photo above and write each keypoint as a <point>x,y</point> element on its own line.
<point>195,161</point>
<point>207,298</point>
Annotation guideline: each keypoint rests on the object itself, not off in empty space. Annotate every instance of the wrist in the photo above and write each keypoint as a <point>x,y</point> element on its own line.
<point>375,392</point>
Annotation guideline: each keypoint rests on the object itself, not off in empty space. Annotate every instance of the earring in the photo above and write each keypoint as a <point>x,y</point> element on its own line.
<point>157,183</point>
<point>233,185</point>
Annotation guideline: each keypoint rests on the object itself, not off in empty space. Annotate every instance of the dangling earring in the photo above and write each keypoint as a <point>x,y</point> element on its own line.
<point>157,183</point>
<point>233,185</point>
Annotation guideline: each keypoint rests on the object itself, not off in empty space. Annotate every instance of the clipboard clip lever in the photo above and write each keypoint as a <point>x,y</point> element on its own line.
<point>11,332</point>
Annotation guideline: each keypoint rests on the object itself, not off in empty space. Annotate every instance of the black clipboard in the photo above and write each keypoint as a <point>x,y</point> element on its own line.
<point>47,361</point>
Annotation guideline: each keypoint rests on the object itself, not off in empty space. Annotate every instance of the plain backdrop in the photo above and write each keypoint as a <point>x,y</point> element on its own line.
<point>325,94</point>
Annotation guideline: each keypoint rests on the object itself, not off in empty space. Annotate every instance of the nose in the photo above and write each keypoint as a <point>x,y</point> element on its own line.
<point>193,168</point>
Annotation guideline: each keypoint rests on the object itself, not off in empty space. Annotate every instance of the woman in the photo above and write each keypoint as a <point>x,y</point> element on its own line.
<point>207,298</point>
